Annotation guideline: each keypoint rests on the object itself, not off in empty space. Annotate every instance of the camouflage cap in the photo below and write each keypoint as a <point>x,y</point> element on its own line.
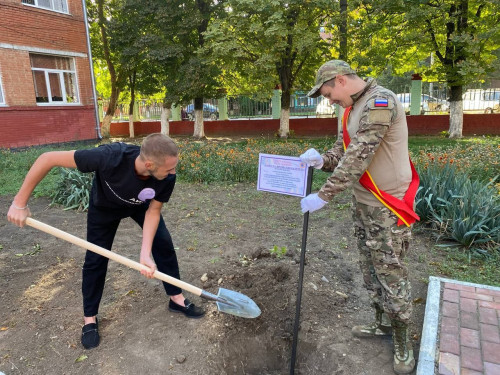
<point>328,71</point>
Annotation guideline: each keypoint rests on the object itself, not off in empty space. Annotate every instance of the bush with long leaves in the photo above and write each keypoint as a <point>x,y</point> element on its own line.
<point>73,190</point>
<point>462,210</point>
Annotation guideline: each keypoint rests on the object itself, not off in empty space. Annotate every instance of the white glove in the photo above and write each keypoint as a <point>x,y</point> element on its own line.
<point>312,158</point>
<point>311,203</point>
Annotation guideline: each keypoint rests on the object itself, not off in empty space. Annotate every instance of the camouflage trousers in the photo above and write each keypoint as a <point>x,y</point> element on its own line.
<point>382,247</point>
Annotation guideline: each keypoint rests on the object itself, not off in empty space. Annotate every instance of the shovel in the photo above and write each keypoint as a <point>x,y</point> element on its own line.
<point>228,301</point>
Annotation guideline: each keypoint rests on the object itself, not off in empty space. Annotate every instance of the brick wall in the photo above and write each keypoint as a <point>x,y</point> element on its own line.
<point>23,126</point>
<point>26,29</point>
<point>17,79</point>
<point>36,27</point>
<point>474,124</point>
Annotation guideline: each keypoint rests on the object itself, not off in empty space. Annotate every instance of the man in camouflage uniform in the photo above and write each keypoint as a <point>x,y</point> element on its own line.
<point>378,144</point>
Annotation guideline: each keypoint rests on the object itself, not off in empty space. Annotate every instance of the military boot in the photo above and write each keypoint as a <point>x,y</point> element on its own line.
<point>380,327</point>
<point>404,362</point>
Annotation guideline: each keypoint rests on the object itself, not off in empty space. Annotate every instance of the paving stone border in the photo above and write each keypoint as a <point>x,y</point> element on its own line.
<point>460,312</point>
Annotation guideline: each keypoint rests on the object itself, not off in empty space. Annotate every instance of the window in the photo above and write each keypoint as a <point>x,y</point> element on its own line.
<point>2,97</point>
<point>54,78</point>
<point>57,5</point>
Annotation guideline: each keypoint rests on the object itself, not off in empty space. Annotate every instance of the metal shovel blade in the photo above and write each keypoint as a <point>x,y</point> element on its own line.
<point>236,304</point>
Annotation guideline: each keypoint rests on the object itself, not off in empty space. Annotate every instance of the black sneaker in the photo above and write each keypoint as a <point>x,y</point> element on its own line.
<point>90,335</point>
<point>190,310</point>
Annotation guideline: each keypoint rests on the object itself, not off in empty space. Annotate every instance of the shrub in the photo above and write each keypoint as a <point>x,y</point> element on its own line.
<point>73,189</point>
<point>463,210</point>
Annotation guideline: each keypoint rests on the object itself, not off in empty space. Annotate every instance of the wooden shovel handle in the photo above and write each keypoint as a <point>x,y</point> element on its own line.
<point>109,254</point>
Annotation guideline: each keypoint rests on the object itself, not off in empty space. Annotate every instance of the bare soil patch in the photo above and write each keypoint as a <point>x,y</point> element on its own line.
<point>226,232</point>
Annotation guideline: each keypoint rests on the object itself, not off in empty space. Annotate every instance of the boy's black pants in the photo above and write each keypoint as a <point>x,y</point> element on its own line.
<point>102,224</point>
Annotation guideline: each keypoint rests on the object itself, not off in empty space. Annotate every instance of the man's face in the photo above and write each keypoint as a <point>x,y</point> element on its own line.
<point>161,171</point>
<point>338,93</point>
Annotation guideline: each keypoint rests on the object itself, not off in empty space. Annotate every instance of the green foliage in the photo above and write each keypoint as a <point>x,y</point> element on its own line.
<point>277,251</point>
<point>262,43</point>
<point>14,165</point>
<point>158,43</point>
<point>444,133</point>
<point>459,265</point>
<point>478,157</point>
<point>213,162</point>
<point>73,189</point>
<point>36,249</point>
<point>462,36</point>
<point>461,209</point>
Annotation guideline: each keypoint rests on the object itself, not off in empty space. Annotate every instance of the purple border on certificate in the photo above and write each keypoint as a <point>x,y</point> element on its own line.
<point>282,174</point>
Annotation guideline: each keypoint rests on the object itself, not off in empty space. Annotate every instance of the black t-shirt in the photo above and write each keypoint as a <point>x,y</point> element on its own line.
<point>116,184</point>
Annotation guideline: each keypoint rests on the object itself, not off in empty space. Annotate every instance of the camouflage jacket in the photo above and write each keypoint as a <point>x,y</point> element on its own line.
<point>367,126</point>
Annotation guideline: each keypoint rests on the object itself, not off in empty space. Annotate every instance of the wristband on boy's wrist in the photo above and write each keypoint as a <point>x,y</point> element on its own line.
<point>19,208</point>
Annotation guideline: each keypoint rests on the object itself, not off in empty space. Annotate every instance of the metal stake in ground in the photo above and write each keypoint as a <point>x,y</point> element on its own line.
<point>301,276</point>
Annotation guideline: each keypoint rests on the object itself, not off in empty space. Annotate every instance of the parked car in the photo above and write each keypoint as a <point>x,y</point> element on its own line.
<point>324,109</point>
<point>210,111</point>
<point>427,103</point>
<point>481,100</point>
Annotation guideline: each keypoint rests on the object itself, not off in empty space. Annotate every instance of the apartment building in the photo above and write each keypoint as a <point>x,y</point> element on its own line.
<point>46,85</point>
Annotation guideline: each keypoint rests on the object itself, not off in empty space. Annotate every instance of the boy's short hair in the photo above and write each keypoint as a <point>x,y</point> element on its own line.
<point>156,147</point>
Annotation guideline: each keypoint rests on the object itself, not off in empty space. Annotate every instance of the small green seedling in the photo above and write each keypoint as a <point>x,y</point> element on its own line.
<point>278,251</point>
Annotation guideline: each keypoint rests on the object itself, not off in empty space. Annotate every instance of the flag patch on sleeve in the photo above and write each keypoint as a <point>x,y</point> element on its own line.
<point>381,103</point>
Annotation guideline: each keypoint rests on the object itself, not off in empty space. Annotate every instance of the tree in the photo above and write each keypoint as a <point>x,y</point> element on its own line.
<point>462,34</point>
<point>200,77</point>
<point>132,45</point>
<point>464,50</point>
<point>263,43</point>
<point>172,38</point>
<point>100,13</point>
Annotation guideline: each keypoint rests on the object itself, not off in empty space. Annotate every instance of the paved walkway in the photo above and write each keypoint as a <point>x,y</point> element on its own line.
<point>461,332</point>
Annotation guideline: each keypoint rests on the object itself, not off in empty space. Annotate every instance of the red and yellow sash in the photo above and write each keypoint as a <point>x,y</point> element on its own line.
<point>403,209</point>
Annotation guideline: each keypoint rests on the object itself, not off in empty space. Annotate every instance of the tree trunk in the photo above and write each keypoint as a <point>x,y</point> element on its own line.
<point>131,106</point>
<point>106,125</point>
<point>456,112</point>
<point>343,30</point>
<point>131,126</point>
<point>285,113</point>
<point>285,123</point>
<point>199,131</point>
<point>456,119</point>
<point>166,111</point>
<point>110,112</point>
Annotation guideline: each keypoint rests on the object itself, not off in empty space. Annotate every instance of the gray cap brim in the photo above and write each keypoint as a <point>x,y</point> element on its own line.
<point>314,93</point>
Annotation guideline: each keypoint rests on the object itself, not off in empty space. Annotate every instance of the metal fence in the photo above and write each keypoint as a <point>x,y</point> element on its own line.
<point>238,107</point>
<point>248,107</point>
<point>434,100</point>
<point>482,100</point>
<point>149,109</point>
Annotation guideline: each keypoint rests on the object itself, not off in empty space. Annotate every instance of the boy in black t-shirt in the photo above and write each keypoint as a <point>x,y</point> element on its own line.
<point>130,181</point>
